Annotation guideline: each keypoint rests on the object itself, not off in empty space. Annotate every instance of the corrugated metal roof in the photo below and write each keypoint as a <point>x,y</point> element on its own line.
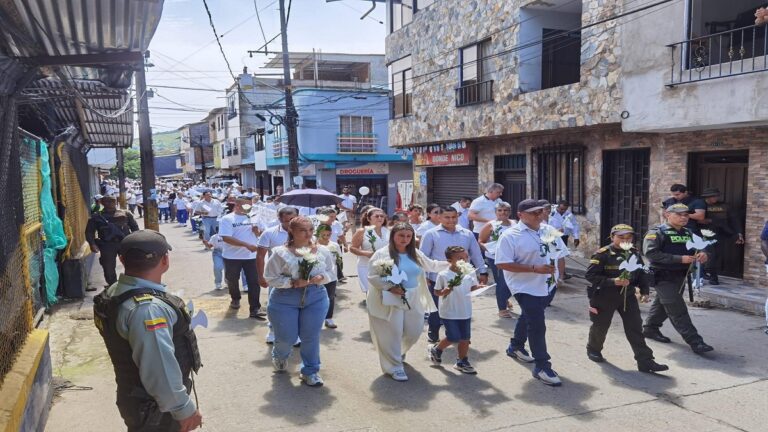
<point>100,125</point>
<point>89,97</point>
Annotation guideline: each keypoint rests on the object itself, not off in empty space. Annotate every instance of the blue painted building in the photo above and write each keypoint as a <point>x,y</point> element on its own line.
<point>168,166</point>
<point>343,142</point>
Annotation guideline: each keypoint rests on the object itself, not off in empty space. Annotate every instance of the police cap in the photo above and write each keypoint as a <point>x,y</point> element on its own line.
<point>678,208</point>
<point>622,229</point>
<point>145,244</point>
<point>710,192</point>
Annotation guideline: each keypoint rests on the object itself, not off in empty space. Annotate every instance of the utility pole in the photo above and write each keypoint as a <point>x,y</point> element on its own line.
<point>291,116</point>
<point>121,177</point>
<point>147,156</point>
<point>202,157</point>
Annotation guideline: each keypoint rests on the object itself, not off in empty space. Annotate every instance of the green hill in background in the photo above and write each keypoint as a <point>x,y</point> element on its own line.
<point>163,143</point>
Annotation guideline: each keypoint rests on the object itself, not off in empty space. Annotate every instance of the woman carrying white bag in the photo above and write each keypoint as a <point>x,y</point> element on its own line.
<point>398,298</point>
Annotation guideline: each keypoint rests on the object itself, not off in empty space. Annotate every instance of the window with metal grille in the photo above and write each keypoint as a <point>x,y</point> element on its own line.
<point>560,174</point>
<point>402,87</point>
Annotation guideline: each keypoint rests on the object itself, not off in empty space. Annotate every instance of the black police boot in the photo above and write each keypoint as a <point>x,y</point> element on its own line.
<point>701,348</point>
<point>651,366</point>
<point>656,335</point>
<point>595,356</point>
<point>713,280</point>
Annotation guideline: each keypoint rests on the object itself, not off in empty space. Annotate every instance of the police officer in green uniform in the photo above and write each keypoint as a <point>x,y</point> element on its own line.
<point>149,339</point>
<point>610,292</point>
<point>665,248</point>
<point>725,223</point>
<point>111,225</point>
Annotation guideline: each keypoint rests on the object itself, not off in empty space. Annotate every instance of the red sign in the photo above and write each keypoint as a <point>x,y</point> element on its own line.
<point>459,157</point>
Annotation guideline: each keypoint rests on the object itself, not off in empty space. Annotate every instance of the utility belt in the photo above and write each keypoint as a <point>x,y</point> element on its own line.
<point>658,274</point>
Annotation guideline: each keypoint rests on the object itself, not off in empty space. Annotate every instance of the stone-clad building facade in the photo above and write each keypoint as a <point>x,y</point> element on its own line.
<point>601,116</point>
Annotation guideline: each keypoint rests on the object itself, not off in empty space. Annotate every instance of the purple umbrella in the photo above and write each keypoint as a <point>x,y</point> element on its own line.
<point>309,198</point>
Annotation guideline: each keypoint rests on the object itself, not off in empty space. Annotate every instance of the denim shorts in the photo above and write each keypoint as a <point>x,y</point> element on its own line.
<point>457,329</point>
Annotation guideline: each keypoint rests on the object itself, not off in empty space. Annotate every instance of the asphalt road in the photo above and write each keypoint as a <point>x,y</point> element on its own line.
<point>726,390</point>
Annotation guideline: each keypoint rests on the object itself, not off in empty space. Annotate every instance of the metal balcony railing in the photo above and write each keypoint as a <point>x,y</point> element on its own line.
<point>357,143</point>
<point>474,93</point>
<point>730,53</point>
<point>280,148</point>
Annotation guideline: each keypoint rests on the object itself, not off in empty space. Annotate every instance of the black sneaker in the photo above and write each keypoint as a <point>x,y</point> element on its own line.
<point>234,304</point>
<point>656,335</point>
<point>259,315</point>
<point>464,367</point>
<point>435,354</point>
<point>651,366</point>
<point>701,348</point>
<point>595,356</point>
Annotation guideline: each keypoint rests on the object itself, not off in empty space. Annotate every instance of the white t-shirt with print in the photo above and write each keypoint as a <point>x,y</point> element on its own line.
<point>238,227</point>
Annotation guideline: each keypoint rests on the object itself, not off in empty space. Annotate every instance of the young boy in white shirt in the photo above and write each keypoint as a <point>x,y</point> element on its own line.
<point>453,286</point>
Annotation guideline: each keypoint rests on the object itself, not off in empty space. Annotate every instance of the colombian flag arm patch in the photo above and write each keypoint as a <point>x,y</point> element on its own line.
<point>155,324</point>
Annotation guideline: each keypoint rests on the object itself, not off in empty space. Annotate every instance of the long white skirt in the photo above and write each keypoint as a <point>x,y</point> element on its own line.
<point>395,337</point>
<point>362,275</point>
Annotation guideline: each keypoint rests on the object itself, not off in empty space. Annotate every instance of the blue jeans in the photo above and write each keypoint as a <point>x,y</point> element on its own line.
<point>531,327</point>
<point>181,216</point>
<point>290,320</point>
<point>502,290</point>
<point>193,221</point>
<point>164,213</point>
<point>218,266</point>
<point>209,227</point>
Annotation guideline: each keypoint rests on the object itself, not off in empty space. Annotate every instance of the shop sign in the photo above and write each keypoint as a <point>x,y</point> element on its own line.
<point>367,169</point>
<point>308,170</point>
<point>456,155</point>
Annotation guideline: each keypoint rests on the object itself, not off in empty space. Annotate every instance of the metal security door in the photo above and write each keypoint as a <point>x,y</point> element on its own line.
<point>625,190</point>
<point>449,184</point>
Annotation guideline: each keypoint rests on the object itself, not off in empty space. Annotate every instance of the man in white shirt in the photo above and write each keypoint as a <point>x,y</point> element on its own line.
<point>483,208</point>
<point>211,210</point>
<point>131,200</point>
<point>529,277</point>
<point>163,207</point>
<point>348,203</point>
<point>462,206</point>
<point>239,253</point>
<point>271,238</point>
<point>563,219</point>
<point>181,208</point>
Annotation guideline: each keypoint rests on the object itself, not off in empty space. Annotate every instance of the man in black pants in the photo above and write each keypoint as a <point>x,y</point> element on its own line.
<point>612,290</point>
<point>240,237</point>
<point>665,247</point>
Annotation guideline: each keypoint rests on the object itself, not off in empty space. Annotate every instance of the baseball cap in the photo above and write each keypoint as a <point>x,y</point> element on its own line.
<point>622,229</point>
<point>98,196</point>
<point>544,203</point>
<point>145,244</point>
<point>710,192</point>
<point>678,208</point>
<point>529,205</point>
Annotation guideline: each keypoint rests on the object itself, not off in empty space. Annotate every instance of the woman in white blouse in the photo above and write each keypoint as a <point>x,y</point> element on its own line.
<point>373,235</point>
<point>397,323</point>
<point>297,306</point>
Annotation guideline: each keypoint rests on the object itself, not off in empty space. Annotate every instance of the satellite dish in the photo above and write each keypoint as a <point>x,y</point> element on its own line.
<point>364,191</point>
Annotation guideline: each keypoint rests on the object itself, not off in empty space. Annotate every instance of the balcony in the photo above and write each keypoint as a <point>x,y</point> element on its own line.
<point>474,93</point>
<point>356,143</point>
<point>730,53</point>
<point>280,148</point>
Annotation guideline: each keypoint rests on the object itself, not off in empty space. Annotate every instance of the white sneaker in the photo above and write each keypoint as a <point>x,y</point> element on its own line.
<point>279,364</point>
<point>399,375</point>
<point>330,324</point>
<point>270,337</point>
<point>547,376</point>
<point>219,287</point>
<point>312,380</point>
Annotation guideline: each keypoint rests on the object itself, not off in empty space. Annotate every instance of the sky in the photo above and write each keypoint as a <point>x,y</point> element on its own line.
<point>185,54</point>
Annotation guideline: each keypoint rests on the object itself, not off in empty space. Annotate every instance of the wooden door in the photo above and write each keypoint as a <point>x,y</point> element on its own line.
<point>726,171</point>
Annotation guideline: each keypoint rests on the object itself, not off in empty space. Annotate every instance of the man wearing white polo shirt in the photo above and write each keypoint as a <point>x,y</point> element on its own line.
<point>529,277</point>
<point>348,203</point>
<point>483,208</point>
<point>211,210</point>
<point>239,253</point>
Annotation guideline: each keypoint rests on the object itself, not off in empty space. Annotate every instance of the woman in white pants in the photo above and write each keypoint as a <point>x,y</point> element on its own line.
<point>397,323</point>
<point>371,236</point>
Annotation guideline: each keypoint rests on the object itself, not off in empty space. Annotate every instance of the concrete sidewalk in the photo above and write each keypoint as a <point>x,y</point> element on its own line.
<point>723,391</point>
<point>732,293</point>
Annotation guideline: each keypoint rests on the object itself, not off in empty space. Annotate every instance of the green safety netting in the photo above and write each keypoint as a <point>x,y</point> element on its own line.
<point>55,238</point>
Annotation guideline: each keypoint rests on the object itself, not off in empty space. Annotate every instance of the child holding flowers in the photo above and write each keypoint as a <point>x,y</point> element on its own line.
<point>453,286</point>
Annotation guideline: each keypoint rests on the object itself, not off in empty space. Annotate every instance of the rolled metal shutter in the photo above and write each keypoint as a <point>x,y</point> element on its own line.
<point>449,184</point>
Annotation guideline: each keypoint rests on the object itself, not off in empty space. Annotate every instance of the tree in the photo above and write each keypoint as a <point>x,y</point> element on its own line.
<point>132,163</point>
